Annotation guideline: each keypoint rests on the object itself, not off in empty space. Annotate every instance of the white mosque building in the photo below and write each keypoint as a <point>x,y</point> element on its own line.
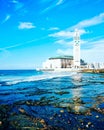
<point>60,62</point>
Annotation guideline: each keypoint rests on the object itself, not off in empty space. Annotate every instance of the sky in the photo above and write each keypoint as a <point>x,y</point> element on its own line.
<point>31,31</point>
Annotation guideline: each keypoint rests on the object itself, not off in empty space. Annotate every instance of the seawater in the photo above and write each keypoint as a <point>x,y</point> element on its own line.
<point>41,94</point>
<point>18,85</point>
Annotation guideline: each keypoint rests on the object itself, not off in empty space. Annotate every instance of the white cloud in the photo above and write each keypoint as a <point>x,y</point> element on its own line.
<point>52,4</point>
<point>90,22</point>
<point>4,54</point>
<point>6,18</point>
<point>18,5</point>
<point>61,42</point>
<point>64,52</point>
<point>14,1</point>
<point>26,25</point>
<point>53,28</point>
<point>95,54</point>
<point>65,34</point>
<point>65,42</point>
<point>21,44</point>
<point>59,2</point>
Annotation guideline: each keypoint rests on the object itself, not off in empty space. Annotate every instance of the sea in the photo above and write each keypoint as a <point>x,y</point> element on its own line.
<point>31,99</point>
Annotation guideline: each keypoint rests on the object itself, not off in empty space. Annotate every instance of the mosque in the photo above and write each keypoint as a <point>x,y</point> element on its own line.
<point>66,61</point>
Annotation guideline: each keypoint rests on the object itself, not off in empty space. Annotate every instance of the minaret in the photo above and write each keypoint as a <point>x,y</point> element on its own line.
<point>76,49</point>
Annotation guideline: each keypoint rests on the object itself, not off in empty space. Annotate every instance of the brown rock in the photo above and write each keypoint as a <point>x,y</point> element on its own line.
<point>42,121</point>
<point>22,110</point>
<point>0,123</point>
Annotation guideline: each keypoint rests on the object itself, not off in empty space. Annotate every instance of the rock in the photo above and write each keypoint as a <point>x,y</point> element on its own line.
<point>28,103</point>
<point>62,92</point>
<point>42,121</point>
<point>51,118</point>
<point>0,123</point>
<point>59,115</point>
<point>97,116</point>
<point>61,111</point>
<point>22,110</point>
<point>87,125</point>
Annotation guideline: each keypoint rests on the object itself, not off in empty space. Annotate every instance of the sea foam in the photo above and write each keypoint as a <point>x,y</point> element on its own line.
<point>45,76</point>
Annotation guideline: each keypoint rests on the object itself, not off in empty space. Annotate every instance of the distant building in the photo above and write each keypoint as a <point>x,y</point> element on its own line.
<point>61,62</point>
<point>95,65</point>
<point>58,62</point>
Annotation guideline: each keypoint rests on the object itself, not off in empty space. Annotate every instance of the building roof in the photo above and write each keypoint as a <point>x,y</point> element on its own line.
<point>62,57</point>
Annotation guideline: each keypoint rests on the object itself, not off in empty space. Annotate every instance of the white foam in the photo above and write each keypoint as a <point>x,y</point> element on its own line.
<point>50,75</point>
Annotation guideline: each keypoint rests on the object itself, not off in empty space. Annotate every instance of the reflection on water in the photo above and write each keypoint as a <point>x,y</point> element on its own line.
<point>77,105</point>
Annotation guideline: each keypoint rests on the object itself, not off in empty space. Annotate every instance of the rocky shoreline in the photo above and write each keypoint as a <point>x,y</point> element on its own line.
<point>44,115</point>
<point>92,70</point>
<point>68,103</point>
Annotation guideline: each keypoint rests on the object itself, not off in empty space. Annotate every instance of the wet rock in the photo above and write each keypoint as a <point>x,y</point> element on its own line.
<point>4,115</point>
<point>19,103</point>
<point>88,113</point>
<point>51,118</point>
<point>89,123</point>
<point>42,121</point>
<point>22,110</point>
<point>26,122</point>
<point>61,111</point>
<point>62,92</point>
<point>0,123</point>
<point>77,109</point>
<point>97,116</point>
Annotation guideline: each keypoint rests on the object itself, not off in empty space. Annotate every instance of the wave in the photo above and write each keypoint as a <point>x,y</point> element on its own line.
<point>12,81</point>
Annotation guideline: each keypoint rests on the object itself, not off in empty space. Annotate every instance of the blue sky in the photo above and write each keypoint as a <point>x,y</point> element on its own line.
<point>33,30</point>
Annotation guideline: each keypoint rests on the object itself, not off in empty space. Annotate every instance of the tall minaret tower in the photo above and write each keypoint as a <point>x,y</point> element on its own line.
<point>76,49</point>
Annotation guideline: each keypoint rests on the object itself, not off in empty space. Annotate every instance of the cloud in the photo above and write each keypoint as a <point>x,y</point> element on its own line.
<point>14,1</point>
<point>51,4</point>
<point>65,43</point>
<point>94,53</point>
<point>66,34</point>
<point>53,28</point>
<point>59,2</point>
<point>26,25</point>
<point>22,44</point>
<point>4,53</point>
<point>6,18</point>
<point>18,5</point>
<point>90,22</point>
<point>64,52</point>
<point>62,34</point>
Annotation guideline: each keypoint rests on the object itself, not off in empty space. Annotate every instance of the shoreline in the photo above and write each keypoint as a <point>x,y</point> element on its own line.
<point>92,71</point>
<point>82,70</point>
